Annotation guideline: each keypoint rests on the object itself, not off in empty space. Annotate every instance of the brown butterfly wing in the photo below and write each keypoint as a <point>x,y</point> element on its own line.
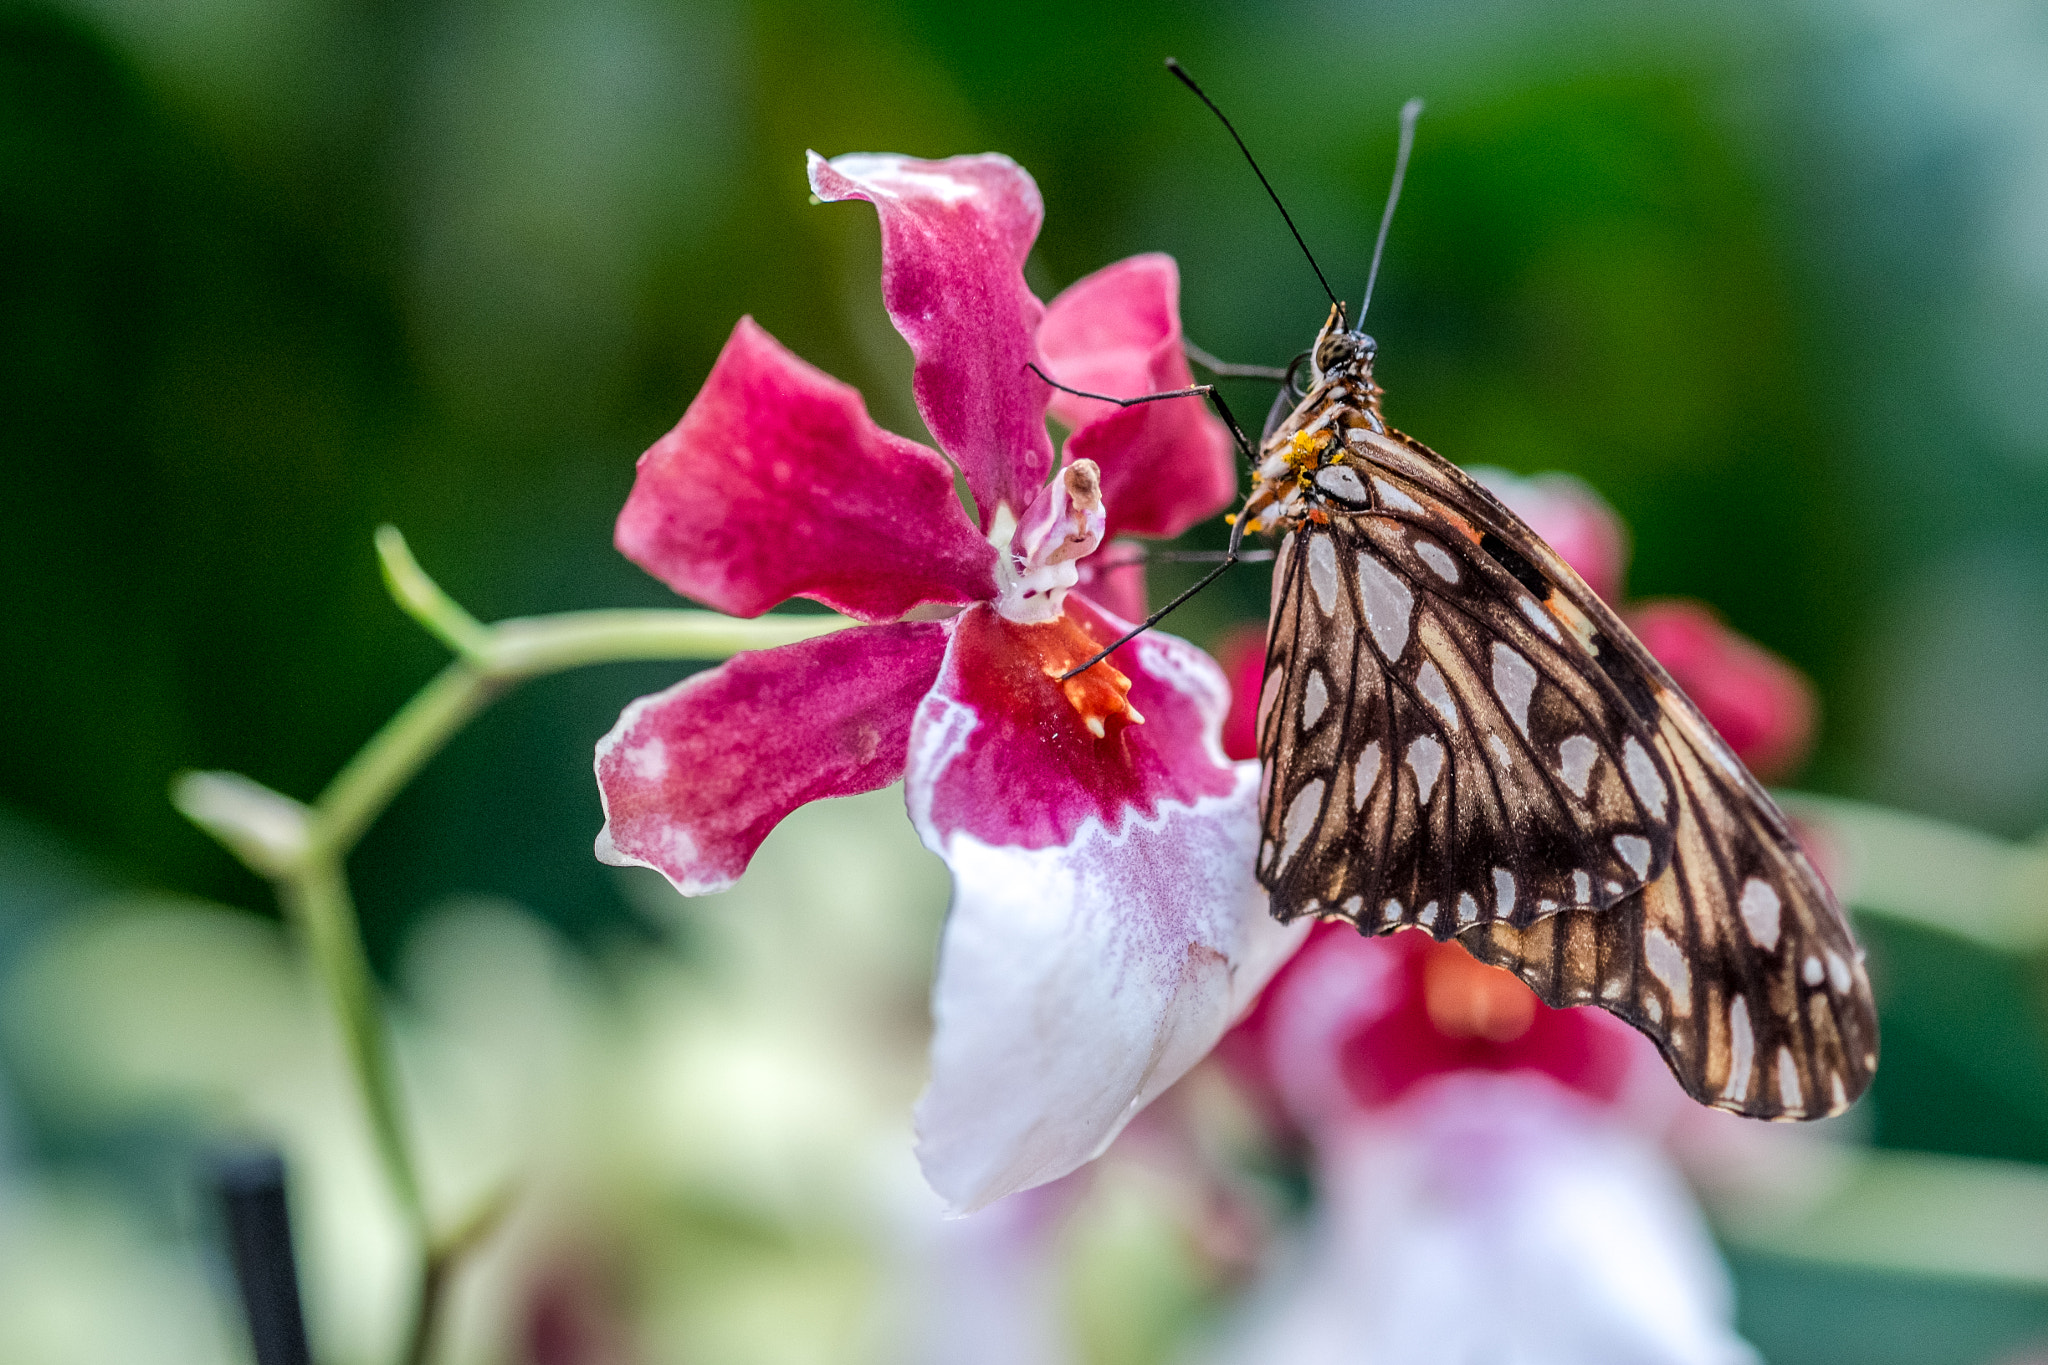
<point>1568,814</point>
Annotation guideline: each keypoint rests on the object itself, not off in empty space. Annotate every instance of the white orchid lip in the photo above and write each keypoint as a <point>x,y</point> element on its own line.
<point>1042,559</point>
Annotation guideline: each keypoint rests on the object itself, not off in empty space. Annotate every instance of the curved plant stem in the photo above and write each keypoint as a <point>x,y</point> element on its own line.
<point>303,849</point>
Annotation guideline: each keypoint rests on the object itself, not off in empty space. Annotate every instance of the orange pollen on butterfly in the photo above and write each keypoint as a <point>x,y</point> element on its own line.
<point>1304,452</point>
<point>1100,697</point>
<point>1468,999</point>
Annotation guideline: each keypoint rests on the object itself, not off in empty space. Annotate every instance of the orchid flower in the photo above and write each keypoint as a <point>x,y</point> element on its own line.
<point>1105,926</point>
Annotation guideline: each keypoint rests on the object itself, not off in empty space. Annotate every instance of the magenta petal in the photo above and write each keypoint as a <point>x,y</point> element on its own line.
<point>693,778</point>
<point>954,237</point>
<point>1003,755</point>
<point>777,484</point>
<point>1166,465</point>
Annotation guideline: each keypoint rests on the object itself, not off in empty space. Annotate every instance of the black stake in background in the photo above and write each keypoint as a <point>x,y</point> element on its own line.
<point>250,1186</point>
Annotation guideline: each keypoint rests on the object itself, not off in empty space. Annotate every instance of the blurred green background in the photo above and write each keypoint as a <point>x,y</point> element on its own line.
<point>1772,277</point>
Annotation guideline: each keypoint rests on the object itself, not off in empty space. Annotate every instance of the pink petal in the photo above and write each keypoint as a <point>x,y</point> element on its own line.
<point>1763,706</point>
<point>1576,521</point>
<point>954,237</point>
<point>1003,754</point>
<point>777,484</point>
<point>1106,925</point>
<point>694,778</point>
<point>1165,466</point>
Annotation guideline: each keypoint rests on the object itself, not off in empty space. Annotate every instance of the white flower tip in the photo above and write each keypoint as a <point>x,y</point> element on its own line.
<point>265,829</point>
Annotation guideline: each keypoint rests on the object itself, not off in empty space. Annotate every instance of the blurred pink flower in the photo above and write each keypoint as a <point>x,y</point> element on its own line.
<point>1455,1122</point>
<point>1572,518</point>
<point>1762,705</point>
<point>1106,926</point>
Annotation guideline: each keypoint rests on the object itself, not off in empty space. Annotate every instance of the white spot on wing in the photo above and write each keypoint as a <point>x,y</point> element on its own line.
<point>1741,1050</point>
<point>1841,1095</point>
<point>1838,972</point>
<point>1426,758</point>
<point>1366,776</point>
<point>1430,684</point>
<point>1438,558</point>
<point>1342,483</point>
<point>1538,617</point>
<point>1503,892</point>
<point>1582,889</point>
<point>1514,681</point>
<point>1667,964</point>
<point>1315,699</point>
<point>1760,908</point>
<point>1322,572</point>
<point>1813,971</point>
<point>1498,747</point>
<point>1468,909</point>
<point>1391,911</point>
<point>1635,851</point>
<point>1577,756</point>
<point>1394,498</point>
<point>1301,818</point>
<point>1388,604</point>
<point>1788,1082</point>
<point>1654,1008</point>
<point>1644,777</point>
<point>1350,908</point>
<point>1427,919</point>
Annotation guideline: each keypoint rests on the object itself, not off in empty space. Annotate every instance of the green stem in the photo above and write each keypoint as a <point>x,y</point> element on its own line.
<point>318,899</point>
<point>304,850</point>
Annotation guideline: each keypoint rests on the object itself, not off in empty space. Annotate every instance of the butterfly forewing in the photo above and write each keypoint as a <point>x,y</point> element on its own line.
<point>1433,758</point>
<point>1459,735</point>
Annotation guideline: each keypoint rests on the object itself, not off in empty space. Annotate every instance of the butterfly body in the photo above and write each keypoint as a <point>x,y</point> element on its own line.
<point>1459,736</point>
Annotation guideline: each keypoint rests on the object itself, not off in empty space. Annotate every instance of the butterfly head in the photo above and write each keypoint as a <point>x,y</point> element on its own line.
<point>1343,354</point>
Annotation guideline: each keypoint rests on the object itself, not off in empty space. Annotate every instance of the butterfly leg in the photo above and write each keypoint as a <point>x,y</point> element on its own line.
<point>1207,391</point>
<point>1230,557</point>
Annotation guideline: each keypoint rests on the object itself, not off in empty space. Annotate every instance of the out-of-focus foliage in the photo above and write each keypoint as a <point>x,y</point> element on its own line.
<point>1770,276</point>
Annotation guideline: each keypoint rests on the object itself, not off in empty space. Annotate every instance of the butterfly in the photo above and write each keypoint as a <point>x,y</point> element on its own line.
<point>1457,735</point>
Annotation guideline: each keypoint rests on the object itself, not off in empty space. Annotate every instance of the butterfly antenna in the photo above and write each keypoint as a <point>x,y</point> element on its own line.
<point>1180,74</point>
<point>1410,112</point>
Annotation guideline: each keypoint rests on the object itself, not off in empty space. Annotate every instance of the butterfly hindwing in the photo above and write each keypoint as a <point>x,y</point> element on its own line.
<point>1733,959</point>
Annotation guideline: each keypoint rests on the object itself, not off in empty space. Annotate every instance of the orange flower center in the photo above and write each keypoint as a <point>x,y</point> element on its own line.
<point>1468,999</point>
<point>1100,697</point>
